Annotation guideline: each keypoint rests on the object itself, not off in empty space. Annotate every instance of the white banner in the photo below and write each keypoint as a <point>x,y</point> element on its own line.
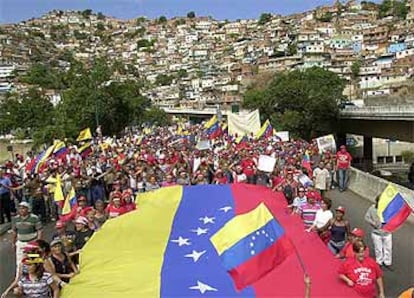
<point>326,143</point>
<point>203,145</point>
<point>244,124</point>
<point>266,163</point>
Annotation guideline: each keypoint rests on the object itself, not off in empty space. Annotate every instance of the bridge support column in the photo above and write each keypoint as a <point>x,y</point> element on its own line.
<point>340,139</point>
<point>368,164</point>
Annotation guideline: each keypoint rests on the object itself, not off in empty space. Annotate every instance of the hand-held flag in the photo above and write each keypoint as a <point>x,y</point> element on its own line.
<point>251,245</point>
<point>84,135</point>
<point>393,210</point>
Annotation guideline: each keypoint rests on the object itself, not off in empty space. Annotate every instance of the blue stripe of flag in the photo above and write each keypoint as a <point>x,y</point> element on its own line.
<point>252,245</point>
<point>395,205</point>
<point>180,273</point>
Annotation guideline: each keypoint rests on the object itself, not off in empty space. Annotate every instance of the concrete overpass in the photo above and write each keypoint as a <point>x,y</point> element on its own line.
<point>388,122</point>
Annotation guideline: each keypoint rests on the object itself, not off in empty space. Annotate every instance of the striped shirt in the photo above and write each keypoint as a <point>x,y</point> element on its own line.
<point>26,228</point>
<point>36,288</point>
<point>308,212</point>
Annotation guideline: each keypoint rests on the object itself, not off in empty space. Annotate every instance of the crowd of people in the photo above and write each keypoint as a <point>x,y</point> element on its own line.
<point>108,178</point>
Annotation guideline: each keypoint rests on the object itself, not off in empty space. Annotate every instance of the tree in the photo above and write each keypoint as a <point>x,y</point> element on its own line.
<point>182,73</point>
<point>86,13</point>
<point>264,18</point>
<point>191,15</point>
<point>162,20</point>
<point>355,70</point>
<point>100,27</point>
<point>163,80</point>
<point>305,102</point>
<point>100,16</point>
<point>156,116</point>
<point>292,49</point>
<point>143,43</point>
<point>395,8</point>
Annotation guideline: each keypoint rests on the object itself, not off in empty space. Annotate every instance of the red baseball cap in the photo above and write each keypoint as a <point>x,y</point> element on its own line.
<point>358,232</point>
<point>340,208</point>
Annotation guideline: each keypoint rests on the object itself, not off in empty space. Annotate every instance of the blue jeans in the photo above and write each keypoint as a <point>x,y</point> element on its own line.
<point>342,177</point>
<point>336,247</point>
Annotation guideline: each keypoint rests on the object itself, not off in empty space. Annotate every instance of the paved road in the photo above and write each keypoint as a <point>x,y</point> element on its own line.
<point>403,242</point>
<point>395,282</point>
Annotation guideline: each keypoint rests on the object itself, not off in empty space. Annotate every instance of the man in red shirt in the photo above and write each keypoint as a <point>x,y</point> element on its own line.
<point>343,162</point>
<point>362,273</point>
<point>249,168</point>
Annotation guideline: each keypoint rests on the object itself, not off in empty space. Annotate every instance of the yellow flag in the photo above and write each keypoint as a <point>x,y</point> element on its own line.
<point>70,200</point>
<point>84,135</point>
<point>58,196</point>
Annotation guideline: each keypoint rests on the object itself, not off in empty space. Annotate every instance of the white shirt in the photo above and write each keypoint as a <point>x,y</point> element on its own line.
<point>322,217</point>
<point>321,178</point>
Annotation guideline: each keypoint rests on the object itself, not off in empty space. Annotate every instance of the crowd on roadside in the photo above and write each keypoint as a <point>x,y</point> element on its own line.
<point>109,177</point>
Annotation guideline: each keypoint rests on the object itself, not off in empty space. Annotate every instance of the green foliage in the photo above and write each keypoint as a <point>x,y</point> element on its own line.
<point>162,20</point>
<point>395,8</point>
<point>86,13</point>
<point>79,36</point>
<point>292,49</point>
<point>182,73</point>
<point>163,80</point>
<point>89,97</point>
<point>100,16</point>
<point>100,27</point>
<point>140,20</point>
<point>326,18</point>
<point>44,76</point>
<point>144,43</point>
<point>191,15</point>
<point>408,156</point>
<point>156,116</point>
<point>355,69</point>
<point>303,102</point>
<point>264,18</point>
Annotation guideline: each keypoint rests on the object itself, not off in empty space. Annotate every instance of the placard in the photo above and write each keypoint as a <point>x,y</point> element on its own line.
<point>203,145</point>
<point>326,143</point>
<point>266,163</point>
<point>283,135</point>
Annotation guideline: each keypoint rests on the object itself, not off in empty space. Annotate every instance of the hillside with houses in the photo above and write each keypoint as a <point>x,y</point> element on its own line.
<point>196,61</point>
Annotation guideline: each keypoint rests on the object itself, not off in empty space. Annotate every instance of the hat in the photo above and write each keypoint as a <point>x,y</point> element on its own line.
<point>358,232</point>
<point>31,246</point>
<point>56,241</point>
<point>340,208</point>
<point>24,204</point>
<point>81,220</point>
<point>59,224</point>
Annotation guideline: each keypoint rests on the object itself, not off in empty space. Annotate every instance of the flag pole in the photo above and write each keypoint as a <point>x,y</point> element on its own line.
<point>302,264</point>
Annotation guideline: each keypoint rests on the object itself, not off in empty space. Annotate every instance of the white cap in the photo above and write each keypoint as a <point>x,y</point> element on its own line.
<point>24,204</point>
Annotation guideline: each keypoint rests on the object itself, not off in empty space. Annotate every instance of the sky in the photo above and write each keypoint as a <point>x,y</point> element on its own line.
<point>12,11</point>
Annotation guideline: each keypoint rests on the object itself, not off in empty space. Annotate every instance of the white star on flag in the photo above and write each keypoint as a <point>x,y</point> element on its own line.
<point>200,231</point>
<point>207,219</point>
<point>195,255</point>
<point>202,287</point>
<point>226,209</point>
<point>181,241</point>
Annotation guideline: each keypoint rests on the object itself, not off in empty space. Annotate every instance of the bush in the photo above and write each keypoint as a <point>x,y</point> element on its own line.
<point>408,156</point>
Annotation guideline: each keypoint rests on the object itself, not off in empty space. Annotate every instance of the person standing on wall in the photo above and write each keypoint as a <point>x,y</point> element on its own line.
<point>343,163</point>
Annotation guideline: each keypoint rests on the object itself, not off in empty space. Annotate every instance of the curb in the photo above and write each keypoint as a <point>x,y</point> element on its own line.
<point>4,228</point>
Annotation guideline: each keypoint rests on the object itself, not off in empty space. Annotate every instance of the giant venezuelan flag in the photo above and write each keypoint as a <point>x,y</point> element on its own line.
<point>164,249</point>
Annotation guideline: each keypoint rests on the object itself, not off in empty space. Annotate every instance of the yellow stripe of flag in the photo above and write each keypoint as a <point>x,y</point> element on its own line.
<point>239,227</point>
<point>143,245</point>
<point>386,197</point>
<point>84,135</point>
<point>58,195</point>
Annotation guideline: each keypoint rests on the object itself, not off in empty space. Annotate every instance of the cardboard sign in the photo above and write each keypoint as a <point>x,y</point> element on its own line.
<point>203,145</point>
<point>283,135</point>
<point>326,143</point>
<point>266,163</point>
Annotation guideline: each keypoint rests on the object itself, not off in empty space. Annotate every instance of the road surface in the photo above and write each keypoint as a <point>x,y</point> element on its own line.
<point>395,282</point>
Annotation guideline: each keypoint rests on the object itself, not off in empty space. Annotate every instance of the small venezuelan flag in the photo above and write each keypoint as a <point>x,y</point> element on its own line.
<point>252,244</point>
<point>393,210</point>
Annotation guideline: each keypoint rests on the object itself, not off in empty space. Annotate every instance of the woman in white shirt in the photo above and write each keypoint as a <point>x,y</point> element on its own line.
<point>322,218</point>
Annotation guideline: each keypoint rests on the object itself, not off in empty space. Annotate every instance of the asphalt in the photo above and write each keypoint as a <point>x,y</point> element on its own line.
<point>395,281</point>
